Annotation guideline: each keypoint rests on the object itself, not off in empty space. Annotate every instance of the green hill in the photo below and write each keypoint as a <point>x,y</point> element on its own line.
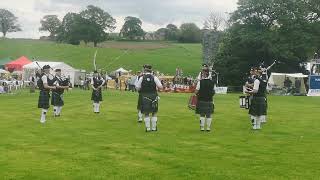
<point>165,57</point>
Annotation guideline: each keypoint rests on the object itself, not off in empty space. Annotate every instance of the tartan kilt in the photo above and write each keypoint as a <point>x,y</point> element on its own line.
<point>57,99</point>
<point>43,101</point>
<point>96,95</point>
<point>204,107</point>
<point>258,106</point>
<point>149,103</point>
<point>139,102</point>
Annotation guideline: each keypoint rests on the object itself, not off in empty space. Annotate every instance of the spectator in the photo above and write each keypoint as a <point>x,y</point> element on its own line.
<point>287,85</point>
<point>297,84</point>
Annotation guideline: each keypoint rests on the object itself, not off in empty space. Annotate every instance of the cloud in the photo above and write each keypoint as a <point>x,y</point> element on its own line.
<point>153,13</point>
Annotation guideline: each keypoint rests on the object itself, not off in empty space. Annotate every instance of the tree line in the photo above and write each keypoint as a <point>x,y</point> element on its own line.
<point>264,31</point>
<point>95,25</point>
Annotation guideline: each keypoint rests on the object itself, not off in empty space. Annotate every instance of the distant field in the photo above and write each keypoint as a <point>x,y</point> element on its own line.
<point>112,145</point>
<point>165,57</point>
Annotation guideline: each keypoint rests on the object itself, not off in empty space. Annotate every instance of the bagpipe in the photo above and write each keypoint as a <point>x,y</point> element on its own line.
<point>65,82</point>
<point>245,101</point>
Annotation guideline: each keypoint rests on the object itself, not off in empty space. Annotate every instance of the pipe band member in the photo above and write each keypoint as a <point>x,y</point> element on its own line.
<point>205,105</point>
<point>148,85</point>
<point>45,84</point>
<point>57,94</point>
<point>258,108</point>
<point>97,83</point>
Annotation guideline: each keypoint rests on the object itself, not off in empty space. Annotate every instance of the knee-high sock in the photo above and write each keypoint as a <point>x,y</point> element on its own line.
<point>95,107</point>
<point>202,121</point>
<point>43,115</point>
<point>139,115</point>
<point>147,123</point>
<point>59,110</point>
<point>154,121</point>
<point>55,110</point>
<point>258,122</point>
<point>209,120</point>
<point>263,119</point>
<point>98,107</point>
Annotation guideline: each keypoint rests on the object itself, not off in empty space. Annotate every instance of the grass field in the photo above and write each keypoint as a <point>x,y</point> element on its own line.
<point>165,57</point>
<point>112,145</point>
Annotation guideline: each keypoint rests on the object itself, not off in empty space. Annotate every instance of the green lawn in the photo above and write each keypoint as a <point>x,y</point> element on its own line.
<point>112,145</point>
<point>165,58</point>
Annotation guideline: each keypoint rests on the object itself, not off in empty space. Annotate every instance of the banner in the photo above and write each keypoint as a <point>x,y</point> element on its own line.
<point>221,90</point>
<point>314,83</point>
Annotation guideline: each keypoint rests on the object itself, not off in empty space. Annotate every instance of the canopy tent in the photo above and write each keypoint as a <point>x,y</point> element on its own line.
<point>18,64</point>
<point>276,80</point>
<point>29,70</point>
<point>122,70</point>
<point>4,61</point>
<point>4,71</point>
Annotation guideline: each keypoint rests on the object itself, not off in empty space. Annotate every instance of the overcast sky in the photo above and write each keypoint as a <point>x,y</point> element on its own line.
<point>153,13</point>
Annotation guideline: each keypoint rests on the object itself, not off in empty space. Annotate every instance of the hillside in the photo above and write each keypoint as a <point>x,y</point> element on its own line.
<point>165,57</point>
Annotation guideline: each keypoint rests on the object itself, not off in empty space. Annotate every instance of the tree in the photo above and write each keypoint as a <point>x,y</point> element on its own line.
<point>161,33</point>
<point>69,29</point>
<point>132,28</point>
<point>90,25</point>
<point>101,22</point>
<point>8,22</point>
<point>214,21</point>
<point>50,23</point>
<point>172,33</point>
<point>286,30</point>
<point>190,33</point>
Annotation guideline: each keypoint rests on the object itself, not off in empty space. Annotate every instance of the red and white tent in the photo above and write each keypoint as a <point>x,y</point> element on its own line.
<point>17,65</point>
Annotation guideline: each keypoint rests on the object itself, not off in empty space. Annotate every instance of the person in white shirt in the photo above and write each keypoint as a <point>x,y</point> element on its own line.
<point>97,82</point>
<point>148,85</point>
<point>45,84</point>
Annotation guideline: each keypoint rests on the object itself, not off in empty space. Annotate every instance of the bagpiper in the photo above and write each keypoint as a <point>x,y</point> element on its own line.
<point>148,85</point>
<point>258,106</point>
<point>205,104</point>
<point>97,83</point>
<point>57,94</point>
<point>45,84</point>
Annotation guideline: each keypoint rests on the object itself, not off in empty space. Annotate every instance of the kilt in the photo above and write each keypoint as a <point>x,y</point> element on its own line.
<point>43,101</point>
<point>139,102</point>
<point>149,103</point>
<point>96,95</point>
<point>57,99</point>
<point>258,106</point>
<point>204,107</point>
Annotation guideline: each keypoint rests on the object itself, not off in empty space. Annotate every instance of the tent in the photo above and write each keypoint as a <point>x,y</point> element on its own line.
<point>4,71</point>
<point>29,70</point>
<point>18,64</point>
<point>122,70</point>
<point>276,80</point>
<point>4,61</point>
